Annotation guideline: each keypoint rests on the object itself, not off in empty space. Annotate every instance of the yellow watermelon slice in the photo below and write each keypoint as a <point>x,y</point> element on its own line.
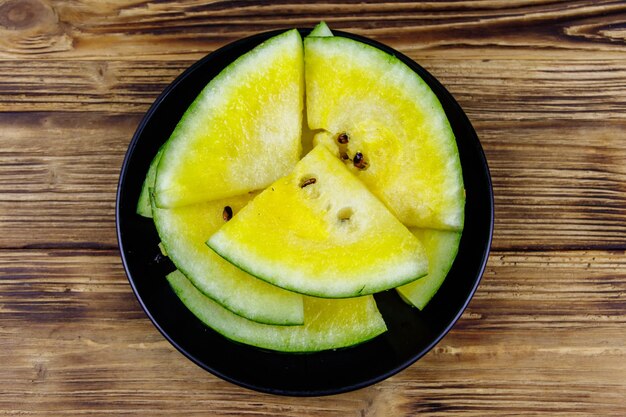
<point>243,130</point>
<point>319,231</point>
<point>388,126</point>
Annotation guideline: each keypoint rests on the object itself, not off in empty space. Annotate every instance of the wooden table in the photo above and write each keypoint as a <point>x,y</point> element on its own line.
<point>544,83</point>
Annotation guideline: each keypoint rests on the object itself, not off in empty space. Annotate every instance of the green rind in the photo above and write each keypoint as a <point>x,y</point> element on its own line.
<point>271,279</point>
<point>223,282</point>
<point>392,70</point>
<point>144,204</point>
<point>441,248</point>
<point>321,30</point>
<point>354,321</point>
<point>205,103</point>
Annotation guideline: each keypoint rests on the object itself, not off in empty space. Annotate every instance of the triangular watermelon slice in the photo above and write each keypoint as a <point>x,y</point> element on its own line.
<point>242,132</point>
<point>319,231</point>
<point>388,126</point>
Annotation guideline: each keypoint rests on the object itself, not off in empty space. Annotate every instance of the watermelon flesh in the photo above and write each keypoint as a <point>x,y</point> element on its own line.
<point>320,232</point>
<point>395,121</point>
<point>242,132</point>
<point>183,231</point>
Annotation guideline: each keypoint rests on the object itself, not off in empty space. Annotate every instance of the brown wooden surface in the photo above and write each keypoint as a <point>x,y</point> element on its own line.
<point>544,83</point>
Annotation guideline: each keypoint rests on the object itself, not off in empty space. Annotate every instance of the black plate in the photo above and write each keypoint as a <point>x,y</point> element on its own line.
<point>411,333</point>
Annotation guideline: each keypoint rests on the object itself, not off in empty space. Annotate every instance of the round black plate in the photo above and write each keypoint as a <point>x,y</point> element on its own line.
<point>411,333</point>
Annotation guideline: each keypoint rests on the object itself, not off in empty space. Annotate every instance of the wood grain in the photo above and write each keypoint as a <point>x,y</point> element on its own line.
<point>74,339</point>
<point>58,173</point>
<point>547,89</point>
<point>171,30</point>
<point>543,82</point>
<point>58,178</point>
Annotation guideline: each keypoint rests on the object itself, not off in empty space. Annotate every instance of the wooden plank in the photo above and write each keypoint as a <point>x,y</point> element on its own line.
<point>552,191</point>
<point>78,86</point>
<point>545,89</point>
<point>131,28</point>
<point>58,177</point>
<point>59,172</point>
<point>543,335</point>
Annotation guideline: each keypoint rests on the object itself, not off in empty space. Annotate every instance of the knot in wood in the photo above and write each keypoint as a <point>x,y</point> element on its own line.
<point>24,14</point>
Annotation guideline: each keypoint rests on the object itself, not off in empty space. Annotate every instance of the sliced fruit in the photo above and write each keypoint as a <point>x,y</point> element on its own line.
<point>243,130</point>
<point>144,205</point>
<point>441,248</point>
<point>183,232</point>
<point>321,29</point>
<point>395,135</point>
<point>319,231</point>
<point>328,324</point>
